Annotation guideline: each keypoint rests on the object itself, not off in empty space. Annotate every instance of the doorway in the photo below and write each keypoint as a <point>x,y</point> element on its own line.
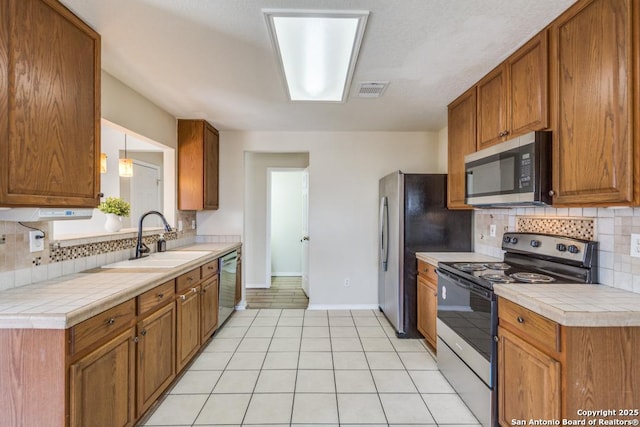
<point>276,251</point>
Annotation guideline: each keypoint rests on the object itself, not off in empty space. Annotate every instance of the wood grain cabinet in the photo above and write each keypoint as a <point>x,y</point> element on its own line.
<point>427,302</point>
<point>188,325</point>
<point>156,344</point>
<point>461,141</point>
<point>513,98</point>
<point>209,310</point>
<point>595,78</point>
<point>49,105</point>
<point>198,165</point>
<point>549,371</point>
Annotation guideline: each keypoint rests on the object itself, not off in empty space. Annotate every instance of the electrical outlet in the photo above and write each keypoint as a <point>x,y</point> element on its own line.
<point>3,239</point>
<point>492,230</point>
<point>36,241</point>
<point>180,225</point>
<point>347,282</point>
<point>635,245</point>
<point>193,224</point>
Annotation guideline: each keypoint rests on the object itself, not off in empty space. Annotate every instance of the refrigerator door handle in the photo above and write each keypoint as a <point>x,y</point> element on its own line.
<point>384,231</point>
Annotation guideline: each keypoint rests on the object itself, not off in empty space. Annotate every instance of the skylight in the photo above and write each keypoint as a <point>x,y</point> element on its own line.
<point>317,51</point>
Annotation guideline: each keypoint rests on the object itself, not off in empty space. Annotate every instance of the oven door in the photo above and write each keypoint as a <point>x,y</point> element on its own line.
<point>467,322</point>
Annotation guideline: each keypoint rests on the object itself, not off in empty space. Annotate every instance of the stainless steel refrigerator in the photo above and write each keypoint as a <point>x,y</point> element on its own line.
<point>413,218</point>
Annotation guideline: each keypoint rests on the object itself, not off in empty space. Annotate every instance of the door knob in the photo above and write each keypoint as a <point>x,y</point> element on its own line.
<point>304,238</point>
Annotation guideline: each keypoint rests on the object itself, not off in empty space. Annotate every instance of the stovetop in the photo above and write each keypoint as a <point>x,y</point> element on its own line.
<point>533,258</point>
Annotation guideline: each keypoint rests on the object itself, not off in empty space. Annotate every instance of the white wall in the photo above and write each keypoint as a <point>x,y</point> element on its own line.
<point>344,169</point>
<point>286,223</point>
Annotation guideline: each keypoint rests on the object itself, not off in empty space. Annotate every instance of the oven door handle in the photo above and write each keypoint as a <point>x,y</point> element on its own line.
<point>456,280</point>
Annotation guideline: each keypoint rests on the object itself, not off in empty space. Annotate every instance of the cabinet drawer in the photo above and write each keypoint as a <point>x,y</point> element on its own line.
<point>156,297</point>
<point>427,271</point>
<point>209,269</point>
<point>101,325</point>
<point>539,328</point>
<point>188,280</point>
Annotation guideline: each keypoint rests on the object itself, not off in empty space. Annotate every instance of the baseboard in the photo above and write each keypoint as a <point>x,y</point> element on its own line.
<point>286,274</point>
<point>257,286</point>
<point>242,305</point>
<point>342,307</point>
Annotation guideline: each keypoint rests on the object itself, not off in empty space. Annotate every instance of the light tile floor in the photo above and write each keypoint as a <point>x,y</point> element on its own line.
<point>282,367</point>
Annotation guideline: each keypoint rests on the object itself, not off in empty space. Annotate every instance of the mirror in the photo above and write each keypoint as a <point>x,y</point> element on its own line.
<point>152,186</point>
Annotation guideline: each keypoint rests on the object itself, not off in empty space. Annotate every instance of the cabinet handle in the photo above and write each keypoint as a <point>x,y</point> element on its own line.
<point>160,296</point>
<point>194,290</point>
<point>520,319</point>
<point>111,321</point>
<point>183,297</point>
<point>144,332</point>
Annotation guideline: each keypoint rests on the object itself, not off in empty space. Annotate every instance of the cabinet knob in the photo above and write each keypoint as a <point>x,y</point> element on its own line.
<point>183,297</point>
<point>111,321</point>
<point>144,332</point>
<point>194,290</point>
<point>135,339</point>
<point>204,291</point>
<point>100,194</point>
<point>160,296</point>
<point>520,319</point>
<point>189,279</point>
<point>435,294</point>
<point>552,193</point>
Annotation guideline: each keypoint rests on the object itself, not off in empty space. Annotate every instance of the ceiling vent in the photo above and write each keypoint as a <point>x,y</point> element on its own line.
<point>371,89</point>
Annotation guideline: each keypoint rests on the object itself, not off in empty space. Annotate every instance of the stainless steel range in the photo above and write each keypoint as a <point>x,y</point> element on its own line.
<point>468,312</point>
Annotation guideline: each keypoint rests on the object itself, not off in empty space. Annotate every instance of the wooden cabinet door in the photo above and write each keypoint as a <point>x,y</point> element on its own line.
<point>528,381</point>
<point>49,106</point>
<point>187,326</point>
<point>427,309</point>
<point>462,141</point>
<point>528,87</point>
<point>211,165</point>
<point>156,355</point>
<point>423,289</point>
<point>594,146</point>
<point>102,385</point>
<point>209,301</point>
<point>492,108</point>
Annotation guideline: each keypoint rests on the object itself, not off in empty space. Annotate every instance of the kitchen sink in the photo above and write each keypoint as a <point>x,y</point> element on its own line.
<point>170,259</point>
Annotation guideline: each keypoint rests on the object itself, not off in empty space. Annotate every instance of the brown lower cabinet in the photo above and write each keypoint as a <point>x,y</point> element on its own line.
<point>427,302</point>
<point>108,370</point>
<point>549,371</point>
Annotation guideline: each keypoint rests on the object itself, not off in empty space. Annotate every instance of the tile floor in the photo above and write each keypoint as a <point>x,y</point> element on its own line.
<point>283,367</point>
<point>285,292</point>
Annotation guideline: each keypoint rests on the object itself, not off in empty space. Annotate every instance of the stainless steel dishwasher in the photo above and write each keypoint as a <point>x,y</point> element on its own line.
<point>227,294</point>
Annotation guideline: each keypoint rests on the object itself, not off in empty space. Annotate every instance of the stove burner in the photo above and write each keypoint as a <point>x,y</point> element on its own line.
<point>497,266</point>
<point>469,266</point>
<point>532,278</point>
<point>497,278</point>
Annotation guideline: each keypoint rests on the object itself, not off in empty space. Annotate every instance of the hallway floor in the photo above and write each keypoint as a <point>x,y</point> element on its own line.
<point>297,367</point>
<point>285,292</point>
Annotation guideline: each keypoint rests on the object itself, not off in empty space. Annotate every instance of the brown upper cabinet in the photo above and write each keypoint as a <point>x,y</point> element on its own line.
<point>462,141</point>
<point>49,106</point>
<point>595,50</point>
<point>198,164</point>
<point>512,99</point>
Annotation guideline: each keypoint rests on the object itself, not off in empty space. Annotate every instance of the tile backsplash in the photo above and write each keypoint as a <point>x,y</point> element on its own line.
<point>611,227</point>
<point>20,267</point>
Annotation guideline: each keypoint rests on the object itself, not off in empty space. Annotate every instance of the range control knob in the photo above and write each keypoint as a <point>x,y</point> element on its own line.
<point>561,247</point>
<point>506,239</point>
<point>514,240</point>
<point>535,243</point>
<point>573,249</point>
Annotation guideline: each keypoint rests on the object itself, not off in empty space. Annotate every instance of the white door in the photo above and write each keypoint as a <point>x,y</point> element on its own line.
<point>305,231</point>
<point>145,194</point>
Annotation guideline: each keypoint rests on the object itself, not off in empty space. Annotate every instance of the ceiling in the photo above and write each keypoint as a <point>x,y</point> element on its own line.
<point>213,59</point>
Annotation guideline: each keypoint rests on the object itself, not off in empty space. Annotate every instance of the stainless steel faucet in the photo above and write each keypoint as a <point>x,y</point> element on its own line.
<point>142,249</point>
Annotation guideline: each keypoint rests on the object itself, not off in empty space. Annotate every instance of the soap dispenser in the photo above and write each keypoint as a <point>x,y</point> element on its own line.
<point>161,244</point>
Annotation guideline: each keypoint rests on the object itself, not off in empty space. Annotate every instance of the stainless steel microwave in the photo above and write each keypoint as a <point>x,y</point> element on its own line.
<point>513,173</point>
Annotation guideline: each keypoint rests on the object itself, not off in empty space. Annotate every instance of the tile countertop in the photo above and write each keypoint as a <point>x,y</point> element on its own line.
<point>575,304</point>
<point>68,300</point>
<point>436,257</point>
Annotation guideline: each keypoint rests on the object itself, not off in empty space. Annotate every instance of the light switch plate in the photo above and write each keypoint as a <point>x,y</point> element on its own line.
<point>492,230</point>
<point>635,245</point>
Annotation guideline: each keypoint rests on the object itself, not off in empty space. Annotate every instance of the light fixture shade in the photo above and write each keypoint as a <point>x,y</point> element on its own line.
<point>125,167</point>
<point>317,51</point>
<point>103,163</point>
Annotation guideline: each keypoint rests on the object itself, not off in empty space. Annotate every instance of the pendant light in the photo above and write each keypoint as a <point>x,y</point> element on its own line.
<point>125,166</point>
